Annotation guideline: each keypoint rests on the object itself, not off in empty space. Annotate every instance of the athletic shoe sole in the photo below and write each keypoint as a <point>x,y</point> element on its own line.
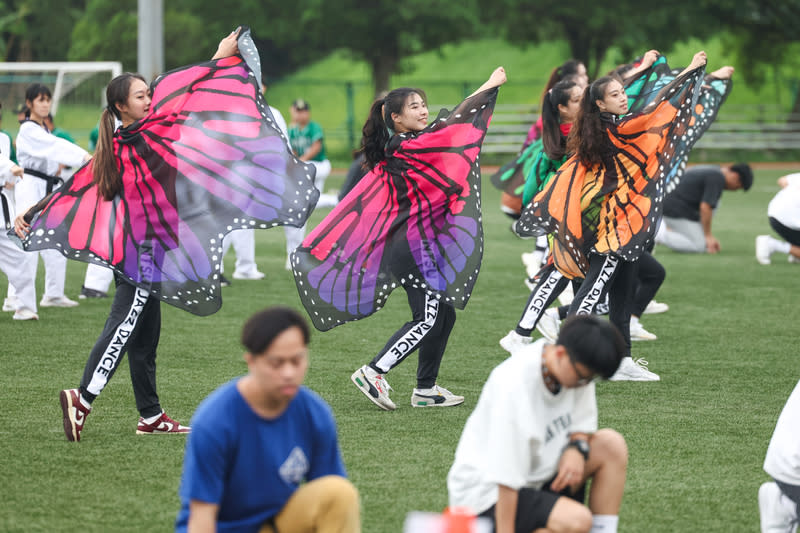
<point>419,400</point>
<point>69,424</point>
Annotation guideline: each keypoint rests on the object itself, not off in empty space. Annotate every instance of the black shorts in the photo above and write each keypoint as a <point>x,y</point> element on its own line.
<point>535,505</point>
<point>792,236</point>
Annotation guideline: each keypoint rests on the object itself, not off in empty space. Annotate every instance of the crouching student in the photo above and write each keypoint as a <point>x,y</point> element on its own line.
<point>263,453</point>
<point>532,442</point>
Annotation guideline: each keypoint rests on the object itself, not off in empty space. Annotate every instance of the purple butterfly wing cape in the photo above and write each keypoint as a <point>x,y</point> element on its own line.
<point>207,160</point>
<point>414,220</point>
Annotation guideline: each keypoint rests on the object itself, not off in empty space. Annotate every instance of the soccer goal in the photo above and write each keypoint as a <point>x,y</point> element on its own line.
<point>77,83</point>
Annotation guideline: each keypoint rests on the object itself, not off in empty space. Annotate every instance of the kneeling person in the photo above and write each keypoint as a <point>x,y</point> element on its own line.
<point>532,441</point>
<point>263,452</point>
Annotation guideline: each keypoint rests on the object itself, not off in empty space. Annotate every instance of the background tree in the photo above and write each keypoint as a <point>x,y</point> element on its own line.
<point>37,30</point>
<point>591,28</point>
<point>383,33</point>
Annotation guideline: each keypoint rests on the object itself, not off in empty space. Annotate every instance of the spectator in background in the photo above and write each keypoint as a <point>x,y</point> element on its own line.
<point>784,217</point>
<point>689,208</point>
<point>296,484</point>
<point>308,144</point>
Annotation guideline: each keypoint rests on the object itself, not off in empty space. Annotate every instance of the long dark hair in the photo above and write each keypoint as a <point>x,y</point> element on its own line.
<point>553,142</point>
<point>105,169</point>
<point>587,137</point>
<point>374,133</point>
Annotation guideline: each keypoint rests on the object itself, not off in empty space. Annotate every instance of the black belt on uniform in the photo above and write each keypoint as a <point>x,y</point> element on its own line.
<point>52,181</point>
<point>6,212</point>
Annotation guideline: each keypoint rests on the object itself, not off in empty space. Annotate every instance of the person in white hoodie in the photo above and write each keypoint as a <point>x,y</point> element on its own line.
<point>41,153</point>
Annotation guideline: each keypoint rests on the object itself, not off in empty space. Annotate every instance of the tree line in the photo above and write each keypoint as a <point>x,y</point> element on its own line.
<point>383,33</point>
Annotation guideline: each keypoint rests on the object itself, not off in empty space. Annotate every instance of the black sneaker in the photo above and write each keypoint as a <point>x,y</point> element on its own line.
<point>223,281</point>
<point>91,293</point>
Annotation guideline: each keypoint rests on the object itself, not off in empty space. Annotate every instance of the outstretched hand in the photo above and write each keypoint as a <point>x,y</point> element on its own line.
<point>649,58</point>
<point>21,228</point>
<point>498,77</point>
<point>723,73</point>
<point>229,45</point>
<point>698,60</point>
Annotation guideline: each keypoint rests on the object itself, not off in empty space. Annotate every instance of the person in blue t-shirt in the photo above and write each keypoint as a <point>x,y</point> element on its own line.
<point>263,451</point>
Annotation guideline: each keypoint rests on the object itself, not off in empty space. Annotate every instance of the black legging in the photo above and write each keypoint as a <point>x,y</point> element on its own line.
<point>429,328</point>
<point>615,276</point>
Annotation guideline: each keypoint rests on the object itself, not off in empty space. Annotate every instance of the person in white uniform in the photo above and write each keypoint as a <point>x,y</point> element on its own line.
<point>779,499</point>
<point>244,240</point>
<point>40,153</point>
<point>11,257</point>
<point>532,443</point>
<point>784,218</point>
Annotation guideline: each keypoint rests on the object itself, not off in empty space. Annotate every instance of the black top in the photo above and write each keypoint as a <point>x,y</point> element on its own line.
<point>703,183</point>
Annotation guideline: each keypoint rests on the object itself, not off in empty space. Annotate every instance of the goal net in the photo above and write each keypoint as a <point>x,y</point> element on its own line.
<point>78,90</point>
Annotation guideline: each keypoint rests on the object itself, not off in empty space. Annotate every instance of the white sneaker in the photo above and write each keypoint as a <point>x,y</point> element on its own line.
<point>374,386</point>
<point>630,370</point>
<point>762,249</point>
<point>654,307</point>
<point>793,259</point>
<point>58,301</point>
<point>288,264</point>
<point>532,262</point>
<point>25,314</point>
<point>436,396</point>
<point>514,341</point>
<point>638,333</point>
<point>777,512</point>
<point>566,296</point>
<point>549,325</point>
<point>10,304</point>
<point>530,283</point>
<point>251,275</point>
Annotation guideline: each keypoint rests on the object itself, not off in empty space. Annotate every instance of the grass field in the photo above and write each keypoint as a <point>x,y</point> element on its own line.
<point>726,353</point>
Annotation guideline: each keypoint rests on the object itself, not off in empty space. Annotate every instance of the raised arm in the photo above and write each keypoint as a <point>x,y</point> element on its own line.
<point>497,79</point>
<point>647,61</point>
<point>698,60</point>
<point>228,46</point>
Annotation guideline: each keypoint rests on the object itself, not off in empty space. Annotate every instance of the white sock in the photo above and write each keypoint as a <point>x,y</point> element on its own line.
<point>152,419</point>
<point>604,523</point>
<point>369,372</point>
<point>634,320</point>
<point>779,246</point>
<point>85,402</point>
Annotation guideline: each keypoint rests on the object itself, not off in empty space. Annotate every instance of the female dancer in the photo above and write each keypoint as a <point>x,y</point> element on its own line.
<point>603,205</point>
<point>414,220</point>
<point>163,190</point>
<point>40,153</point>
<point>559,111</point>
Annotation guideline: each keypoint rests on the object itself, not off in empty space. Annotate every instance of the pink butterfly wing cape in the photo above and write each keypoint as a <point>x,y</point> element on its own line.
<point>207,160</point>
<point>414,220</point>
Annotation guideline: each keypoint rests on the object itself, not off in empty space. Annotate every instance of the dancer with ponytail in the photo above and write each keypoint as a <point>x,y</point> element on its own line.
<point>603,206</point>
<point>197,155</point>
<point>413,221</point>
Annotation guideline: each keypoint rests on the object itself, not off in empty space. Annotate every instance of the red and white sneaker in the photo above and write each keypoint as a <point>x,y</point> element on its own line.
<point>74,413</point>
<point>163,426</point>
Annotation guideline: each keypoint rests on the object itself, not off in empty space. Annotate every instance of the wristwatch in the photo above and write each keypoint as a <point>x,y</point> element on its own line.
<point>580,445</point>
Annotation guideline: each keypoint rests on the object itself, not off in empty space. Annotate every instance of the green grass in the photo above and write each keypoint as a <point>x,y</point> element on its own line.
<point>726,354</point>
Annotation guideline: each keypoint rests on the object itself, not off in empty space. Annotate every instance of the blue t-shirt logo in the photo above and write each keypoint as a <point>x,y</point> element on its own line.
<point>294,468</point>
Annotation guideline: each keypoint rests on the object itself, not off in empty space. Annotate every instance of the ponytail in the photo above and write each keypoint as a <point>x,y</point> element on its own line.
<point>553,142</point>
<point>375,136</point>
<point>105,172</point>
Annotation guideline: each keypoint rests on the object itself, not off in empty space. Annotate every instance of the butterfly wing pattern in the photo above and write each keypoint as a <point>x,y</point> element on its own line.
<point>615,207</point>
<point>207,160</point>
<point>414,220</point>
